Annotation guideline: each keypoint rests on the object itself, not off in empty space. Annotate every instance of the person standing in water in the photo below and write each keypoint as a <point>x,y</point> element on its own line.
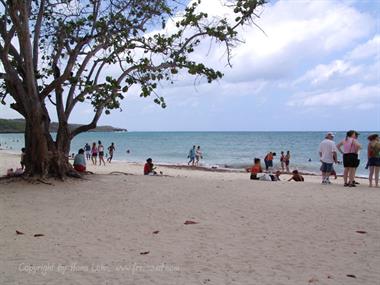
<point>198,155</point>
<point>282,160</point>
<point>101,153</point>
<point>268,160</point>
<point>94,153</point>
<point>87,148</point>
<point>111,150</point>
<point>287,161</point>
<point>191,156</point>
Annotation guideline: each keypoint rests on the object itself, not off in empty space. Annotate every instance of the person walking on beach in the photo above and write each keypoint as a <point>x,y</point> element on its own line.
<point>287,161</point>
<point>87,148</point>
<point>350,151</point>
<point>94,153</point>
<point>191,156</point>
<point>268,160</point>
<point>101,153</point>
<point>198,155</point>
<point>111,149</point>
<point>374,159</point>
<point>328,155</point>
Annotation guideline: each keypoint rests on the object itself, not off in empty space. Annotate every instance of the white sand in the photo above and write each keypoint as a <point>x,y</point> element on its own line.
<point>248,232</point>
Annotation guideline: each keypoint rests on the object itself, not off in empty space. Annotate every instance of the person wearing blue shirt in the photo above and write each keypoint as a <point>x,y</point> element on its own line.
<point>191,156</point>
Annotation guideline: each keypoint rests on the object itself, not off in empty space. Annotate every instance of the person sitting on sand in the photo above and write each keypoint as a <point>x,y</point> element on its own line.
<point>256,168</point>
<point>276,176</point>
<point>296,177</point>
<point>149,167</point>
<point>80,161</point>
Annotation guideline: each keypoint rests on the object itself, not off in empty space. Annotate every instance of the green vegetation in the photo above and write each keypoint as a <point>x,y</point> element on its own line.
<point>18,126</point>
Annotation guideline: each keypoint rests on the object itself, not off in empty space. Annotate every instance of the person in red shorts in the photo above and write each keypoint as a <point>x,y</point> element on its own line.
<point>80,161</point>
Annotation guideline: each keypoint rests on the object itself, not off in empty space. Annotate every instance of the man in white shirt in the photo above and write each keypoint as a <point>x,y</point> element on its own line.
<point>328,155</point>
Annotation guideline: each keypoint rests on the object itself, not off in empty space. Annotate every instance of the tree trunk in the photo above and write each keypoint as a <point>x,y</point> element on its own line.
<point>44,157</point>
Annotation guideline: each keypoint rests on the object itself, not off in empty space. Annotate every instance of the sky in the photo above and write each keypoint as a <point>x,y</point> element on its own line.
<point>316,67</point>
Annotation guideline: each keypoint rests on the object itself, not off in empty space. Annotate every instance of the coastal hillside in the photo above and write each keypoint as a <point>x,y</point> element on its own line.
<point>18,126</point>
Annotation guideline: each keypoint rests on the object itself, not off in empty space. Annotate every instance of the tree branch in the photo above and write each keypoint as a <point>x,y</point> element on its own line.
<point>37,32</point>
<point>92,125</point>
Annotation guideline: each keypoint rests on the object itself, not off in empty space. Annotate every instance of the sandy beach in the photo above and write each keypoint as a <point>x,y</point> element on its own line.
<point>131,229</point>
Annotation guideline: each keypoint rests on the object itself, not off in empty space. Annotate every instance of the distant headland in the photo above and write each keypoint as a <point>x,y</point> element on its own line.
<point>18,126</point>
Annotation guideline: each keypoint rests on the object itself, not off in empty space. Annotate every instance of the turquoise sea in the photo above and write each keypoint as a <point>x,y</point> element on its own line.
<point>222,149</point>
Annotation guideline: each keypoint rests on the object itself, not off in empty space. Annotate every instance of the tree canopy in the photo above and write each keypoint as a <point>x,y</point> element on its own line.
<point>62,51</point>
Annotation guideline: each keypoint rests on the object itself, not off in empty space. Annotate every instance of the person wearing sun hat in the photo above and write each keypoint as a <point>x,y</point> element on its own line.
<point>328,155</point>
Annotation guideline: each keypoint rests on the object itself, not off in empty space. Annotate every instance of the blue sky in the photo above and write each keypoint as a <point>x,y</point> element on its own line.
<point>317,68</point>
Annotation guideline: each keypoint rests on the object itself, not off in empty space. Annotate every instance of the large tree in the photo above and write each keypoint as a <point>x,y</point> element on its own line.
<point>61,51</point>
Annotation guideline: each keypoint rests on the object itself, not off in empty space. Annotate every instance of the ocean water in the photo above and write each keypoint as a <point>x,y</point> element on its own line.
<point>222,149</point>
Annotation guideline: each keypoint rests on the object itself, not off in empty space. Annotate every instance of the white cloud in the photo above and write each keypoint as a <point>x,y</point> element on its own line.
<point>352,68</point>
<point>296,35</point>
<point>354,96</point>
<point>367,50</point>
<point>325,72</point>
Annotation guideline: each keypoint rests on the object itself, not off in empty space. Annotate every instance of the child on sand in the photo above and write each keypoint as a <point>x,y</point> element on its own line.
<point>296,177</point>
<point>149,167</point>
<point>256,168</point>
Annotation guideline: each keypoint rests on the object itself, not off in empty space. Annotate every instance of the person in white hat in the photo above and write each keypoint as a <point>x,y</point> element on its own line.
<point>328,155</point>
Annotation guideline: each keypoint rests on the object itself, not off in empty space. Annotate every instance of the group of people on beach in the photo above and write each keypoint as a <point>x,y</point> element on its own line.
<point>328,153</point>
<point>92,153</point>
<point>195,155</point>
<point>284,159</point>
<point>257,172</point>
<point>349,148</point>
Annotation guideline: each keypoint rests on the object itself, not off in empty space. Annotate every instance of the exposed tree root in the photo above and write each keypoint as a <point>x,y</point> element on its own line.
<point>120,172</point>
